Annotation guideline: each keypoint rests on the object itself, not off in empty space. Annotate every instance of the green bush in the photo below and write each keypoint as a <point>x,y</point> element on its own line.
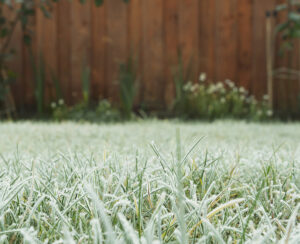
<point>104,112</point>
<point>221,100</point>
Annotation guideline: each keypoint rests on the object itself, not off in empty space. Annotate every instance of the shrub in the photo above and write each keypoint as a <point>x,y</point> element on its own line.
<point>104,112</point>
<point>221,100</point>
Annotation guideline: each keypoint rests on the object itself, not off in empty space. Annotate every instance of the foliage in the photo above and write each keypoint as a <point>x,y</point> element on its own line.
<point>289,31</point>
<point>56,84</point>
<point>213,101</point>
<point>127,87</point>
<point>83,111</point>
<point>6,78</point>
<point>180,76</point>
<point>73,183</point>
<point>290,28</point>
<point>7,104</point>
<point>86,82</point>
<point>104,112</point>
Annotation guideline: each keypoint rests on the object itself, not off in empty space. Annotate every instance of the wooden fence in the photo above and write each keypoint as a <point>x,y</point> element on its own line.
<point>223,38</point>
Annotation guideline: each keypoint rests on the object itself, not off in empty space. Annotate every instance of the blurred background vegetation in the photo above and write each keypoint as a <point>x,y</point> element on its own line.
<point>196,95</point>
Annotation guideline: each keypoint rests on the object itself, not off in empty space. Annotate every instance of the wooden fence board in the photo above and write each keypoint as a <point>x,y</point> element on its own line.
<point>281,61</point>
<point>226,43</point>
<point>188,35</point>
<point>244,43</point>
<point>48,47</point>
<point>16,63</point>
<point>99,40</point>
<point>207,40</point>
<point>135,41</point>
<point>27,73</point>
<point>80,45</point>
<point>117,44</point>
<point>294,89</point>
<point>64,49</point>
<point>153,51</point>
<point>170,47</point>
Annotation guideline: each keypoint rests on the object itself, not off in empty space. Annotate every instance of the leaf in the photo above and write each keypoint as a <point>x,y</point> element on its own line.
<point>24,21</point>
<point>281,7</point>
<point>282,27</point>
<point>3,32</point>
<point>27,39</point>
<point>2,20</point>
<point>286,46</point>
<point>30,12</point>
<point>294,16</point>
<point>45,12</point>
<point>98,3</point>
<point>295,33</point>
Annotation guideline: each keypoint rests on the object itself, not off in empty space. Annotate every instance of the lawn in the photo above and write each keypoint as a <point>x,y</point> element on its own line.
<point>150,182</point>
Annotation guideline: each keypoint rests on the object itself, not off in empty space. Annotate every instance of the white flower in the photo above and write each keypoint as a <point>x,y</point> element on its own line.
<point>223,90</point>
<point>219,85</point>
<point>259,112</point>
<point>230,83</point>
<point>242,90</point>
<point>61,102</point>
<point>223,100</point>
<point>53,105</point>
<point>194,87</point>
<point>269,113</point>
<point>188,86</point>
<point>266,97</point>
<point>202,77</point>
<point>211,89</point>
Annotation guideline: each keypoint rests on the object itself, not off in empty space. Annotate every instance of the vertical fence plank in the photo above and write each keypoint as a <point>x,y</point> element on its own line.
<point>48,49</point>
<point>281,61</point>
<point>117,43</point>
<point>188,35</point>
<point>81,45</point>
<point>244,43</point>
<point>207,38</point>
<point>153,57</point>
<point>297,86</point>
<point>15,63</point>
<point>291,82</point>
<point>294,90</point>
<point>134,42</point>
<point>171,47</point>
<point>64,48</point>
<point>226,45</point>
<point>28,76</point>
<point>98,86</point>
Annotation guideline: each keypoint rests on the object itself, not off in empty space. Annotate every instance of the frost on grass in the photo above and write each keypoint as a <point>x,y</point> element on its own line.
<point>147,183</point>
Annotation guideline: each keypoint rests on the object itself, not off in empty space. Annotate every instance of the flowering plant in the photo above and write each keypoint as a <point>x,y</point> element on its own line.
<point>205,100</point>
